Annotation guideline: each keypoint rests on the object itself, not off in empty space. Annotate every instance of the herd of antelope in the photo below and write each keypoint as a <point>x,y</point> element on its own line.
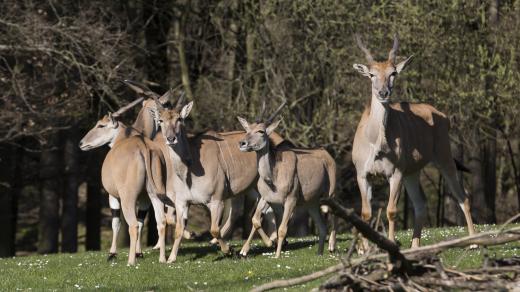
<point>157,162</point>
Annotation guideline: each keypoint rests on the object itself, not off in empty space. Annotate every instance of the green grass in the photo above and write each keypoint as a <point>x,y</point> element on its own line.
<point>201,267</point>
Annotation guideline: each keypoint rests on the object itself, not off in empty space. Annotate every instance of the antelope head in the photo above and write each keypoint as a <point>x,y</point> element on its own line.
<point>257,133</point>
<point>106,129</point>
<point>381,74</point>
<point>104,132</point>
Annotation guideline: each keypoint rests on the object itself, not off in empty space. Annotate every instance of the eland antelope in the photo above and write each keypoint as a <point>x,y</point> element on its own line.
<point>132,167</point>
<point>397,140</point>
<point>290,176</point>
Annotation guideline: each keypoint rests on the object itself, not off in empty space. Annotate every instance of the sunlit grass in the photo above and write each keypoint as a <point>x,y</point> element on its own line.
<point>201,267</point>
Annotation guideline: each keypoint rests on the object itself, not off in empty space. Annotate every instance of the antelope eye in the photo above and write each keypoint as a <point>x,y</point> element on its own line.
<point>393,74</point>
<point>101,126</point>
<point>371,75</point>
<point>161,121</point>
<point>261,132</point>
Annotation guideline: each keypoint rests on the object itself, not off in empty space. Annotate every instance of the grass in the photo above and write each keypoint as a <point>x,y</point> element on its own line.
<point>202,268</point>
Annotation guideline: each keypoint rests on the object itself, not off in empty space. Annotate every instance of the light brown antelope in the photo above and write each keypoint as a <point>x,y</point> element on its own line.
<point>397,140</point>
<point>103,132</point>
<point>208,169</point>
<point>147,121</point>
<point>131,168</point>
<point>290,176</point>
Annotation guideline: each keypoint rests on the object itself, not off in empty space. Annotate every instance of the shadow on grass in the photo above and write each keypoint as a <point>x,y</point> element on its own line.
<point>198,252</point>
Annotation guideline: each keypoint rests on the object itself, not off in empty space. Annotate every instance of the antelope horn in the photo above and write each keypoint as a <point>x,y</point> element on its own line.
<point>368,55</point>
<point>393,52</point>
<point>165,97</point>
<point>262,113</point>
<point>276,112</point>
<point>180,101</point>
<point>140,88</point>
<point>127,107</point>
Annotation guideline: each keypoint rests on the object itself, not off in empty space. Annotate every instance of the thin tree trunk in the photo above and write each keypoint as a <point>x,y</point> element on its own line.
<point>156,17</point>
<point>93,213</point>
<point>179,21</point>
<point>69,221</point>
<point>152,236</point>
<point>50,192</point>
<point>10,182</point>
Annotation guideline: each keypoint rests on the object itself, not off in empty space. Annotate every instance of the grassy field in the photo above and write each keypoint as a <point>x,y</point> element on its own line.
<point>202,268</point>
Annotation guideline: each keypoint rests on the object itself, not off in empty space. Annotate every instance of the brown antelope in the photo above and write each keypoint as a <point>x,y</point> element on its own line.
<point>290,176</point>
<point>103,130</point>
<point>131,168</point>
<point>208,169</point>
<point>397,140</point>
<point>147,121</point>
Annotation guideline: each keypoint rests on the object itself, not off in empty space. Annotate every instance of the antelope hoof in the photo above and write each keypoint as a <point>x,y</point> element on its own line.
<point>111,256</point>
<point>139,255</point>
<point>162,260</point>
<point>473,246</point>
<point>156,246</point>
<point>187,235</point>
<point>171,260</point>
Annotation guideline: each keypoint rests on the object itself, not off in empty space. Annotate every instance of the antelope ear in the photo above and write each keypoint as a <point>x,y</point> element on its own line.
<point>186,110</point>
<point>400,67</point>
<point>244,123</point>
<point>272,126</point>
<point>113,122</point>
<point>362,69</point>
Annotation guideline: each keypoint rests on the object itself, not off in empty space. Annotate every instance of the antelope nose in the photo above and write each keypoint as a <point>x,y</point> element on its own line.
<point>171,139</point>
<point>242,143</point>
<point>383,93</point>
<point>80,144</point>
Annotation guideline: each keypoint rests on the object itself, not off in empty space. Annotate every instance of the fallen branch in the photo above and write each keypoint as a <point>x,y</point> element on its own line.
<point>396,257</point>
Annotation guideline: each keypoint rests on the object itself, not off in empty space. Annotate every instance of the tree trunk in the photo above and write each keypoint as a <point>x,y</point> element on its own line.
<point>452,214</point>
<point>152,236</point>
<point>93,213</point>
<point>10,182</point>
<point>50,190</point>
<point>69,221</point>
<point>156,15</point>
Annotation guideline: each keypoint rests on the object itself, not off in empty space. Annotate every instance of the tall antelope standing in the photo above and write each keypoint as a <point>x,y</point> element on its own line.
<point>290,176</point>
<point>131,168</point>
<point>397,140</point>
<point>208,169</point>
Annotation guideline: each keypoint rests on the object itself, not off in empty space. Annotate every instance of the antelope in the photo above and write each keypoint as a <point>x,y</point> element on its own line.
<point>132,167</point>
<point>147,121</point>
<point>397,140</point>
<point>290,176</point>
<point>208,169</point>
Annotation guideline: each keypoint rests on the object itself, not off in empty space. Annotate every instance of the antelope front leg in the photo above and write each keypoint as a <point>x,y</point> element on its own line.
<point>115,208</point>
<point>366,209</point>
<point>182,214</point>
<point>216,209</point>
<point>391,209</point>
<point>256,224</point>
<point>288,211</point>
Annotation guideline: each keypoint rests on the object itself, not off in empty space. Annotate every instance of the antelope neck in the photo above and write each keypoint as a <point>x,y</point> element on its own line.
<point>375,129</point>
<point>265,167</point>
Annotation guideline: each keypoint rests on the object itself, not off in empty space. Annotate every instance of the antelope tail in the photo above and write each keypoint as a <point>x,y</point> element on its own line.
<point>154,173</point>
<point>460,166</point>
<point>330,165</point>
